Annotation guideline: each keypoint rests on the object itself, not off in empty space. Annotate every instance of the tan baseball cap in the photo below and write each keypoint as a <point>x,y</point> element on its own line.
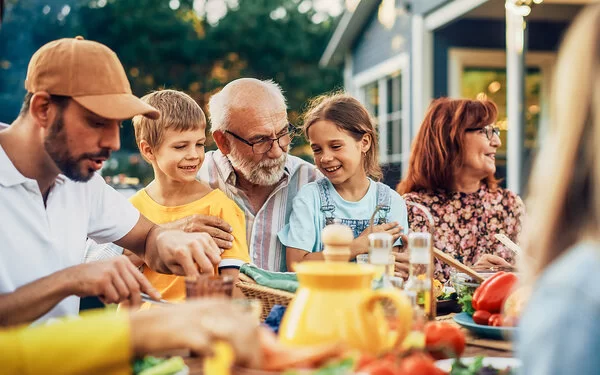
<point>88,72</point>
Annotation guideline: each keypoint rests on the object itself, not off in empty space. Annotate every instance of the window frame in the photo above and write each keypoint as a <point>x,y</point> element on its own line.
<point>381,73</point>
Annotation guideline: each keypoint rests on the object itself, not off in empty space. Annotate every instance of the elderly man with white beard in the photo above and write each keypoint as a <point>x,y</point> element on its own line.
<point>252,166</point>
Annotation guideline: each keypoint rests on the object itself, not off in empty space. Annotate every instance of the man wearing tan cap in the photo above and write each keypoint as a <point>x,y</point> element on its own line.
<point>52,199</point>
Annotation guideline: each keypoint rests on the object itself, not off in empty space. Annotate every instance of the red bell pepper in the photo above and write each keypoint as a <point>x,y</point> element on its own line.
<point>492,293</point>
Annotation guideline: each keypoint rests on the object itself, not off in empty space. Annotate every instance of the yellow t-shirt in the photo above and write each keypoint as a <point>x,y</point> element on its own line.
<point>215,203</point>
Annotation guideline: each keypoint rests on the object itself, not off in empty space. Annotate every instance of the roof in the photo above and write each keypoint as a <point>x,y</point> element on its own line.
<point>349,27</point>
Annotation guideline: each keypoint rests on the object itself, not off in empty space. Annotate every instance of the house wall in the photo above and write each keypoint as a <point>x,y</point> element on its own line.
<point>377,44</point>
<point>424,6</point>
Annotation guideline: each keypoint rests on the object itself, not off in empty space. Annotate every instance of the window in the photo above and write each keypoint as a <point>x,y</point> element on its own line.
<point>476,73</point>
<point>384,101</point>
<point>384,90</point>
<point>490,83</point>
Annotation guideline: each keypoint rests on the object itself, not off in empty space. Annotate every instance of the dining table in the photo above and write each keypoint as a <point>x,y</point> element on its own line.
<point>475,347</point>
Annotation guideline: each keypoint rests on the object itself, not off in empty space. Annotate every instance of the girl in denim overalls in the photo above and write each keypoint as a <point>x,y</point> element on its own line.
<point>344,144</point>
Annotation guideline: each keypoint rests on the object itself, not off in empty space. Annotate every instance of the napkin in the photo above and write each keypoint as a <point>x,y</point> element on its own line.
<point>277,280</point>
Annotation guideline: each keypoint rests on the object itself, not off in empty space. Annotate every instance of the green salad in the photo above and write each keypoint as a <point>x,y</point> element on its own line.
<point>477,368</point>
<point>157,366</point>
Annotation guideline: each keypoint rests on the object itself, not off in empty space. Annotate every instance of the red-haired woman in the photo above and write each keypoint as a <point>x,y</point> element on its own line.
<point>451,172</point>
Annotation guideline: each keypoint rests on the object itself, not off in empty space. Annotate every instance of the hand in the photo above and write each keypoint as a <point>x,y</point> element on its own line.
<point>490,260</point>
<point>136,260</point>
<point>184,254</point>
<point>218,228</point>
<point>401,264</point>
<point>114,280</point>
<point>360,245</point>
<point>197,325</point>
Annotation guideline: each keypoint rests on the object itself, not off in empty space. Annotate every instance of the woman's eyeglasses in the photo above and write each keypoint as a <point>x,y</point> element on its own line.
<point>266,144</point>
<point>488,130</point>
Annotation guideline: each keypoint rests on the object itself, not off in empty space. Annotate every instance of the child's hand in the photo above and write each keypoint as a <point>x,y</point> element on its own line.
<point>392,228</point>
<point>360,245</point>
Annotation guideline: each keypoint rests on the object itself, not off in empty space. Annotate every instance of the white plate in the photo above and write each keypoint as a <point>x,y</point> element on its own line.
<point>498,363</point>
<point>183,371</point>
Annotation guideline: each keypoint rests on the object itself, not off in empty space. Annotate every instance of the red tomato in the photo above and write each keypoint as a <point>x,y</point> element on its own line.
<point>419,364</point>
<point>444,340</point>
<point>380,367</point>
<point>495,320</point>
<point>481,317</point>
<point>365,360</point>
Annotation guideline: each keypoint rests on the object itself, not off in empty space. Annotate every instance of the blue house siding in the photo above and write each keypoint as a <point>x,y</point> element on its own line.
<point>491,34</point>
<point>424,6</point>
<point>374,45</point>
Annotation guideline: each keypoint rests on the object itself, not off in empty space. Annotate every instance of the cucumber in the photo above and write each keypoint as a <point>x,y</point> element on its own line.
<point>168,367</point>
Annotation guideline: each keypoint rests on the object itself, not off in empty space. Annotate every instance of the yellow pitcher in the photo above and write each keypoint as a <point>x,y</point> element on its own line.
<point>335,302</point>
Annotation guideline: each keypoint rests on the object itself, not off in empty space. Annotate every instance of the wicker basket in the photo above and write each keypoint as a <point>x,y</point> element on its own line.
<point>267,296</point>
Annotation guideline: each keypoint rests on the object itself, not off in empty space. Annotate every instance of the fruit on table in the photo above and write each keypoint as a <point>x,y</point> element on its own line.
<point>419,363</point>
<point>444,340</point>
<point>416,363</point>
<point>495,320</point>
<point>492,293</point>
<point>481,317</point>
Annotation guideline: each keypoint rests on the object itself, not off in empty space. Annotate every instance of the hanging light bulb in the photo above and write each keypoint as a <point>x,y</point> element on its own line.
<point>387,13</point>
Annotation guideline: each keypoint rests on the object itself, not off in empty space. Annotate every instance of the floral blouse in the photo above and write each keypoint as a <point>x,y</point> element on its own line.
<point>465,223</point>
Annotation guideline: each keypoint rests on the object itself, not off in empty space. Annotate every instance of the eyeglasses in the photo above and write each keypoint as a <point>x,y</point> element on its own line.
<point>266,144</point>
<point>488,130</point>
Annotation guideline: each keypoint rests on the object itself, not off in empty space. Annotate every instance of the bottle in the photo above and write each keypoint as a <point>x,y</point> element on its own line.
<point>418,285</point>
<point>380,252</point>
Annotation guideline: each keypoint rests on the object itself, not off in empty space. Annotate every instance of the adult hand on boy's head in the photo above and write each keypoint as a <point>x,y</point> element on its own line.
<point>184,254</point>
<point>216,227</point>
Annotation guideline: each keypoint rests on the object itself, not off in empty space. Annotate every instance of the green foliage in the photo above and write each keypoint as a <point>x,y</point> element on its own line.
<point>165,48</point>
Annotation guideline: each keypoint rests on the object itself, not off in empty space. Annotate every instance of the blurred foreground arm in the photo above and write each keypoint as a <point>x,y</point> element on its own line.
<point>65,347</point>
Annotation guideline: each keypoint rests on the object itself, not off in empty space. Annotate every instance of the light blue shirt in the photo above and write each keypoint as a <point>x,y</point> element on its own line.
<point>303,230</point>
<point>559,332</point>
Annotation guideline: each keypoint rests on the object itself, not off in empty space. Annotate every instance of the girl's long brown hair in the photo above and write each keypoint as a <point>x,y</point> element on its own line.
<point>437,150</point>
<point>348,114</point>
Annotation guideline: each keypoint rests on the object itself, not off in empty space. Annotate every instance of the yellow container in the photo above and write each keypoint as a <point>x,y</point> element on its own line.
<point>335,302</point>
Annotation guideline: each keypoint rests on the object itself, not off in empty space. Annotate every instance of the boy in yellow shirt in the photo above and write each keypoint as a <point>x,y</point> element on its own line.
<point>174,145</point>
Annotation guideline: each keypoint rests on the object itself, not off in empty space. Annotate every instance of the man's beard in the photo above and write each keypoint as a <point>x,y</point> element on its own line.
<point>264,173</point>
<point>56,146</point>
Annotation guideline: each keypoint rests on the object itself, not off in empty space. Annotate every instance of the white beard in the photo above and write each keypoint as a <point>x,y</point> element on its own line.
<point>265,173</point>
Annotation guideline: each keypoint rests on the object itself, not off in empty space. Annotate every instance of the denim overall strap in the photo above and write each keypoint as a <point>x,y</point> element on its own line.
<point>327,206</point>
<point>384,202</point>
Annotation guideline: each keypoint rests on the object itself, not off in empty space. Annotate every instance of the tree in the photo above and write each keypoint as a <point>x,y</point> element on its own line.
<point>162,47</point>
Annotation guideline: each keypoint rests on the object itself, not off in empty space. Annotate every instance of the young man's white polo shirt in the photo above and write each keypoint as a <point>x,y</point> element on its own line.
<point>37,240</point>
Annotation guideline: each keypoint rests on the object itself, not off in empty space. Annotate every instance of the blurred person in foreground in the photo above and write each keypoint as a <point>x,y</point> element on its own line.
<point>252,165</point>
<point>53,199</point>
<point>451,172</point>
<point>174,146</point>
<point>559,332</point>
<point>104,343</point>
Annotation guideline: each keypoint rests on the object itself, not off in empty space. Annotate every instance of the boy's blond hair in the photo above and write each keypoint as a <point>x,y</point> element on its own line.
<point>178,111</point>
